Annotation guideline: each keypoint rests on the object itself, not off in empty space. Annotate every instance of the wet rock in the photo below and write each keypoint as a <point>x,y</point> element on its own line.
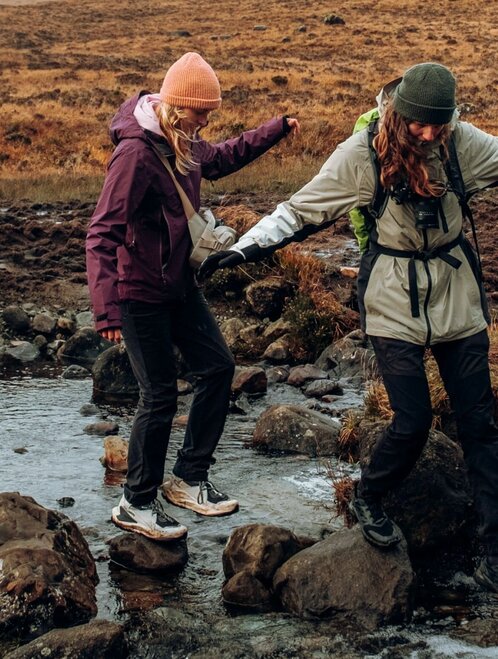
<point>278,351</point>
<point>277,374</point>
<point>43,323</point>
<point>140,554</point>
<point>89,409</point>
<point>66,502</point>
<point>21,351</point>
<point>250,380</point>
<point>349,357</point>
<point>21,450</point>
<point>100,638</point>
<point>245,590</point>
<point>102,428</point>
<point>75,372</point>
<point>115,455</point>
<point>319,388</point>
<point>83,348</point>
<point>266,297</point>
<point>16,319</point>
<point>48,575</point>
<point>259,550</point>
<point>54,346</point>
<point>113,379</point>
<point>295,429</point>
<point>301,374</point>
<point>277,329</point>
<point>345,576</point>
<point>433,505</point>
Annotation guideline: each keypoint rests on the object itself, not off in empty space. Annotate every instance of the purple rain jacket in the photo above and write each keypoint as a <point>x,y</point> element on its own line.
<point>138,242</point>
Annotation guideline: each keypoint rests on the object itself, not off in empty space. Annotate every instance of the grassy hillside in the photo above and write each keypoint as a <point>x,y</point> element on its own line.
<point>66,66</point>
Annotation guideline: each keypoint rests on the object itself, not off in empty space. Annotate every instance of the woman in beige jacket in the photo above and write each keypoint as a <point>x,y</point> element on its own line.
<point>419,283</point>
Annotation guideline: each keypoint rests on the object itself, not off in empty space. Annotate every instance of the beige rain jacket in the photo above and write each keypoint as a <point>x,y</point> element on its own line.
<point>449,297</point>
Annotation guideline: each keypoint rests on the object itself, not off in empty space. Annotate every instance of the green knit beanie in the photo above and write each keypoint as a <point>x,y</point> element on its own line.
<point>426,94</point>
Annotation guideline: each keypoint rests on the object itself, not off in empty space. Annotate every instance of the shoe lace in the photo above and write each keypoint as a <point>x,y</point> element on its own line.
<point>161,515</point>
<point>209,487</point>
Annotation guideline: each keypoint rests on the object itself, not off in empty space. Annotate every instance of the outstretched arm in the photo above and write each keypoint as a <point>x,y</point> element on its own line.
<point>218,160</point>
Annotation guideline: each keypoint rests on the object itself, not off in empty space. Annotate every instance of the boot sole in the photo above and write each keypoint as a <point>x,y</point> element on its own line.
<point>207,511</point>
<point>152,535</point>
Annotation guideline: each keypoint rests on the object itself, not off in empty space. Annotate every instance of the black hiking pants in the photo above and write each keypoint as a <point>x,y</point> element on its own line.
<point>150,331</point>
<point>464,369</point>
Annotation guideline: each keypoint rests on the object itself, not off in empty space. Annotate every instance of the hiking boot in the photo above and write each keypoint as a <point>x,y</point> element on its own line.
<point>486,575</point>
<point>200,496</point>
<point>149,520</point>
<point>376,526</point>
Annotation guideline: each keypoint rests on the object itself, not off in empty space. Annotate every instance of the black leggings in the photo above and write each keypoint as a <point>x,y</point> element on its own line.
<point>464,369</point>
<point>151,331</point>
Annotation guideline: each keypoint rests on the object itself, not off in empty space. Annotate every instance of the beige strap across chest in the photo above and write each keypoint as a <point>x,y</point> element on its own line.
<point>187,206</point>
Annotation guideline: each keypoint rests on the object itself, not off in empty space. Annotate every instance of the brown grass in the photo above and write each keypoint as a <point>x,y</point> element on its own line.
<point>67,65</point>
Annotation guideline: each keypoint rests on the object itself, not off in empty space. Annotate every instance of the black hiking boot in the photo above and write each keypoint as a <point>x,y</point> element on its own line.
<point>375,525</point>
<point>486,575</point>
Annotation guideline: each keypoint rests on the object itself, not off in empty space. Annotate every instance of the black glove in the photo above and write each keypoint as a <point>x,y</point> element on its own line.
<point>229,259</point>
<point>226,259</point>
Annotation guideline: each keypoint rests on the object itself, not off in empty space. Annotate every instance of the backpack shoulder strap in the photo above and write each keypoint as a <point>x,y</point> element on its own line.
<point>454,174</point>
<point>379,200</point>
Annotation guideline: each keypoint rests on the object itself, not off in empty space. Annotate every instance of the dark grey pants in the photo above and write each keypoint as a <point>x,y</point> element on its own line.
<point>464,369</point>
<point>150,331</point>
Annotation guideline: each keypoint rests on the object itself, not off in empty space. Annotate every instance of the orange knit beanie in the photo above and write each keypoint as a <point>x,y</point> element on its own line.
<point>191,83</point>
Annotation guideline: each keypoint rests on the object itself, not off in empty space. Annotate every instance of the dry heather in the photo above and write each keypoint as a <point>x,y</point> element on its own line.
<point>66,66</point>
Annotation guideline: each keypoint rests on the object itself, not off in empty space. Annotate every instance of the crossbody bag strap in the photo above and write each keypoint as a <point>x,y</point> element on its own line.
<point>187,206</point>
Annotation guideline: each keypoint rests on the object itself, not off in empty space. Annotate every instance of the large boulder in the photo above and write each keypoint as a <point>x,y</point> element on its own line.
<point>113,379</point>
<point>295,429</point>
<point>83,348</point>
<point>345,576</point>
<point>21,351</point>
<point>433,505</point>
<point>260,549</point>
<point>99,638</point>
<point>48,575</point>
<point>250,559</point>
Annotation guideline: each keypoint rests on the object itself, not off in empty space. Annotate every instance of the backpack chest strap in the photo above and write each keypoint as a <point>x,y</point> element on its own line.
<point>441,252</point>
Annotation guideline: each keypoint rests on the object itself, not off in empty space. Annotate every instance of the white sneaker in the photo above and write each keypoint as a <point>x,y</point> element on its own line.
<point>200,496</point>
<point>150,520</point>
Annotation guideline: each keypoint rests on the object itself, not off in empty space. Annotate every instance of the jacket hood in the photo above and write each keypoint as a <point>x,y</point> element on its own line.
<point>385,94</point>
<point>124,124</point>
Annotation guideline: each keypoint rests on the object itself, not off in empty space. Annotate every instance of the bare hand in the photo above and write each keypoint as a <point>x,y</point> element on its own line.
<point>112,334</point>
<point>294,125</point>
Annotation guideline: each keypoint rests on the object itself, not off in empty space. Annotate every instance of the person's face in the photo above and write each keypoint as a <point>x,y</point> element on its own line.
<point>194,119</point>
<point>425,132</point>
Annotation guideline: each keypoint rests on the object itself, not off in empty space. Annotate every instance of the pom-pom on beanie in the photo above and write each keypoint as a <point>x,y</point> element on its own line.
<point>426,94</point>
<point>191,83</point>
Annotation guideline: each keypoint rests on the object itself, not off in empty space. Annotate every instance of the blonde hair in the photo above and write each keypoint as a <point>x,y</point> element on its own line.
<point>169,121</point>
<point>402,158</point>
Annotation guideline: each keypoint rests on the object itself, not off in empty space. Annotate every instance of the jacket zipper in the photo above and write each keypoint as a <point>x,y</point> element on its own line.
<point>164,266</point>
<point>428,294</point>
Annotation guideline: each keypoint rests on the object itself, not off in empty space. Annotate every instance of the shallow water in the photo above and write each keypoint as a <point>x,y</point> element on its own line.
<point>42,416</point>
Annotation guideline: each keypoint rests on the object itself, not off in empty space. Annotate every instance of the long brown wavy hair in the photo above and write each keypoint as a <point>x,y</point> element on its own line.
<point>169,121</point>
<point>402,158</point>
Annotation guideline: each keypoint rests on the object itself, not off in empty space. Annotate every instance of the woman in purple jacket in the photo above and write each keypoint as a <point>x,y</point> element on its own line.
<point>143,289</point>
